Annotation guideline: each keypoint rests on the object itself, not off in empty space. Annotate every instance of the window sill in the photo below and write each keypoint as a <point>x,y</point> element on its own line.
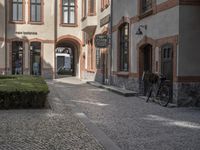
<point>146,14</point>
<point>123,74</point>
<point>68,25</point>
<point>36,23</point>
<point>17,22</point>
<point>91,14</point>
<point>90,70</point>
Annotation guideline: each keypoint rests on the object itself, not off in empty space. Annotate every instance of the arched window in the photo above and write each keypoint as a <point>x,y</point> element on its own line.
<point>124,47</point>
<point>35,51</point>
<point>17,57</point>
<point>68,12</point>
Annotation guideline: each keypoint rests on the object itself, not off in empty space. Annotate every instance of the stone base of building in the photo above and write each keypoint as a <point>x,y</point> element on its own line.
<point>187,94</point>
<point>88,75</point>
<point>125,83</point>
<point>48,73</point>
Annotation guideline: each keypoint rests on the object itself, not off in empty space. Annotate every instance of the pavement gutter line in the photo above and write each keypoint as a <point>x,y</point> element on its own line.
<point>100,136</point>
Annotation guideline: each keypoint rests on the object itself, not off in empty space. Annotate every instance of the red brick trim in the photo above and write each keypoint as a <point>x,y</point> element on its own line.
<point>76,16</point>
<point>189,2</point>
<point>124,19</point>
<point>41,15</point>
<point>71,38</point>
<point>188,79</point>
<point>157,9</point>
<point>145,41</point>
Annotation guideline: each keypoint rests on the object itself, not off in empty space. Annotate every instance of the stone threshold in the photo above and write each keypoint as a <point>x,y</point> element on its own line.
<point>120,91</point>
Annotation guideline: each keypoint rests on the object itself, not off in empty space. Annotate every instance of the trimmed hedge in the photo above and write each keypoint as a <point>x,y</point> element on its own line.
<point>22,92</point>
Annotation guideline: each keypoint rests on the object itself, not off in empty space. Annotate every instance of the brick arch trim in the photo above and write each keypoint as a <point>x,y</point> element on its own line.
<point>145,41</point>
<point>70,38</point>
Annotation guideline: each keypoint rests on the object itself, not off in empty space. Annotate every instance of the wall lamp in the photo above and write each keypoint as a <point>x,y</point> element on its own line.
<point>139,30</point>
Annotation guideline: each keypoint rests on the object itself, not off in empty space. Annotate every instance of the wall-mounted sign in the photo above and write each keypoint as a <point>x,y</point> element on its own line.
<point>26,33</point>
<point>101,41</point>
<point>105,20</point>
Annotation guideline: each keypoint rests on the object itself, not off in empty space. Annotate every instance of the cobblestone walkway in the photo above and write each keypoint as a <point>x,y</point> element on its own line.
<point>50,129</point>
<point>131,123</point>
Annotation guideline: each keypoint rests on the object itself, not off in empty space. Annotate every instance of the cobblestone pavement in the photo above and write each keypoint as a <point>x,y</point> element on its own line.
<point>133,124</point>
<point>49,129</point>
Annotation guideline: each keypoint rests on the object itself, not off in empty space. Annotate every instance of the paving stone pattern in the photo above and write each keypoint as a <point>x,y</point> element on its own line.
<point>50,129</point>
<point>132,123</point>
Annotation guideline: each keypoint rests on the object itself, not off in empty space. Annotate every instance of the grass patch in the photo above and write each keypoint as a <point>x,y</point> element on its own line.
<point>22,92</point>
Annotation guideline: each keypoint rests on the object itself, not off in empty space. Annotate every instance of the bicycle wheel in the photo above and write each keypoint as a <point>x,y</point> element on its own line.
<point>164,96</point>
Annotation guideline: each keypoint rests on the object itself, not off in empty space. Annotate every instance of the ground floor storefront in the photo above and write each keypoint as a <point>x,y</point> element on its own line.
<point>38,57</point>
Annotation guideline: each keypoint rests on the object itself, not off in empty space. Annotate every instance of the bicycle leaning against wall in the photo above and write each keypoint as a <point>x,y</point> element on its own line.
<point>158,90</point>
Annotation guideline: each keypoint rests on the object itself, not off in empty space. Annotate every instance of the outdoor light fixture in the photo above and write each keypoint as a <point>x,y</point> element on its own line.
<point>139,31</point>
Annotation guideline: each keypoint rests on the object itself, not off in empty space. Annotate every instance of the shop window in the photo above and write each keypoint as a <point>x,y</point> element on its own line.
<point>17,57</point>
<point>35,51</point>
<point>68,12</point>
<point>124,47</point>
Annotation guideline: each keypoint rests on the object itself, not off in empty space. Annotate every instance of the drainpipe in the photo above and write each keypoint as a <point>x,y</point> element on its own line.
<point>55,34</point>
<point>111,46</point>
<point>5,38</point>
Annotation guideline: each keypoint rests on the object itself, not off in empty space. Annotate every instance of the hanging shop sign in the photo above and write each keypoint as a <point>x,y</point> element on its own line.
<point>101,41</point>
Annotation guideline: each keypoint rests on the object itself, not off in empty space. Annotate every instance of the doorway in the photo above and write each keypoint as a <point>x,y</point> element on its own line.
<point>145,64</point>
<point>167,64</point>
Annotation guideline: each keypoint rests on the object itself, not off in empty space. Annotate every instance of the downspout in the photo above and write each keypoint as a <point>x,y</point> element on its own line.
<point>5,38</point>
<point>111,46</point>
<point>55,34</point>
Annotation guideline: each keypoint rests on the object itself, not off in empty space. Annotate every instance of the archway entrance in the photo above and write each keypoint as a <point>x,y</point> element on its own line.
<point>145,64</point>
<point>66,59</point>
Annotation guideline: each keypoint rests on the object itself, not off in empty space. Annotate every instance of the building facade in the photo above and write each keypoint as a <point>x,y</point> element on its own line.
<point>45,37</point>
<point>160,36</point>
<point>55,38</point>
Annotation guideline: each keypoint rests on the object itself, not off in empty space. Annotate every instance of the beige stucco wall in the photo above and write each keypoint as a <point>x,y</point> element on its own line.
<point>2,27</point>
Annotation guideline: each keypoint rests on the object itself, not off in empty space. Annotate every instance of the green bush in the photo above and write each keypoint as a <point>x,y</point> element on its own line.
<point>22,92</point>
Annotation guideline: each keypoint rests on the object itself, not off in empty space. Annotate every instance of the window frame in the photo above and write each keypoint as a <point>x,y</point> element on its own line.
<point>62,15</point>
<point>11,12</point>
<point>122,40</point>
<point>84,9</point>
<point>41,13</point>
<point>90,13</point>
<point>145,12</point>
